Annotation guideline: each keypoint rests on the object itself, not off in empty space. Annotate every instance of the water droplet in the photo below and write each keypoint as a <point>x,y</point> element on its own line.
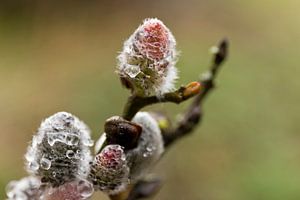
<point>132,70</point>
<point>78,156</point>
<point>45,163</point>
<point>85,188</point>
<point>123,158</point>
<point>145,155</point>
<point>33,165</point>
<point>51,141</point>
<point>56,137</point>
<point>88,142</point>
<point>149,148</point>
<point>72,139</point>
<point>70,154</point>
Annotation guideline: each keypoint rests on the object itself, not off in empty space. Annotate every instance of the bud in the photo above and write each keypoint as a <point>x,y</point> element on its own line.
<point>27,188</point>
<point>164,122</point>
<point>147,62</point>
<point>122,132</point>
<point>59,152</point>
<point>191,89</point>
<point>109,171</point>
<point>119,131</point>
<point>150,147</point>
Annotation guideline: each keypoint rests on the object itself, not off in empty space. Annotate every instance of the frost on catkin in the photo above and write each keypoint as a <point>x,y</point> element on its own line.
<point>59,152</point>
<point>27,188</point>
<point>150,147</point>
<point>109,171</point>
<point>147,61</point>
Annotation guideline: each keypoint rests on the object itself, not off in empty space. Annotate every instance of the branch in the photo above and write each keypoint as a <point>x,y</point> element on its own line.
<point>136,103</point>
<point>190,119</point>
<point>193,115</point>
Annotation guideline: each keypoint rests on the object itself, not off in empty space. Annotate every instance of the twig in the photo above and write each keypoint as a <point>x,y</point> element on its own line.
<point>136,103</point>
<point>193,115</point>
<point>190,119</point>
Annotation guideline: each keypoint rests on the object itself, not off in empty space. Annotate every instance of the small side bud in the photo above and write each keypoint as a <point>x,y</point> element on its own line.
<point>59,152</point>
<point>147,62</point>
<point>109,171</point>
<point>119,131</point>
<point>191,89</point>
<point>27,188</point>
<point>122,132</point>
<point>164,122</point>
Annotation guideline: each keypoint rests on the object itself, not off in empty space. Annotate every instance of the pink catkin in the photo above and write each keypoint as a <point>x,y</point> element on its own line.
<point>67,191</point>
<point>153,40</point>
<point>147,62</point>
<point>110,157</point>
<point>109,171</point>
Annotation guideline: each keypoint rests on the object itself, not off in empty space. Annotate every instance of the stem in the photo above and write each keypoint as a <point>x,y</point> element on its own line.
<point>190,119</point>
<point>136,103</point>
<point>193,115</point>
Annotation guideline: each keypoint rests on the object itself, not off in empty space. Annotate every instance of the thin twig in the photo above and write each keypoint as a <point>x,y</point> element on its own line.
<point>136,103</point>
<point>190,119</point>
<point>193,115</point>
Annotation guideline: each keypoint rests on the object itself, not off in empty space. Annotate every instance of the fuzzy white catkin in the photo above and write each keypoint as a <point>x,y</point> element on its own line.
<point>59,151</point>
<point>150,147</point>
<point>27,188</point>
<point>147,62</point>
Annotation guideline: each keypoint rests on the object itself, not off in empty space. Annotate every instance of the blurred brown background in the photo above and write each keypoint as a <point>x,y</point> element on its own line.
<point>60,55</point>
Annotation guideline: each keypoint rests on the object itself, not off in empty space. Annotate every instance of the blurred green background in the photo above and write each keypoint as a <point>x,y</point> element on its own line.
<point>61,55</point>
